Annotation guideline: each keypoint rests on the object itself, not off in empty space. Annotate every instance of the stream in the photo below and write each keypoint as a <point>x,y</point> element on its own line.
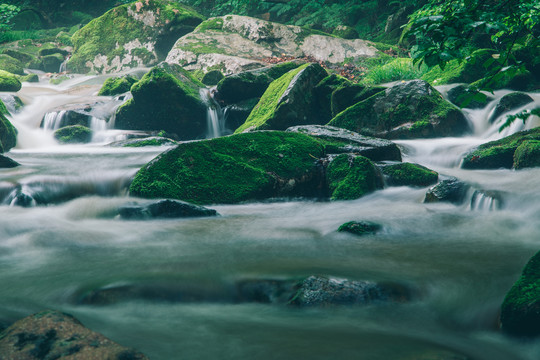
<point>459,260</point>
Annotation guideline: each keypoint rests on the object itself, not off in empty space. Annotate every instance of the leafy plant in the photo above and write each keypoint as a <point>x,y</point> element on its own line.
<point>7,12</point>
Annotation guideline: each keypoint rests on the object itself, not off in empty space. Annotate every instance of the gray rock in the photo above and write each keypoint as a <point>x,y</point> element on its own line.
<point>449,190</point>
<point>510,102</point>
<point>164,209</point>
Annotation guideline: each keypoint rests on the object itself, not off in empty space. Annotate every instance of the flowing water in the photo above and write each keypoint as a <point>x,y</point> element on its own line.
<point>459,260</point>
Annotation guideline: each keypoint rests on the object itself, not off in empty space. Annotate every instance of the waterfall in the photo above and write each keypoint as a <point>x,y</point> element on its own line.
<point>63,65</point>
<point>484,201</point>
<point>215,119</point>
<point>53,120</point>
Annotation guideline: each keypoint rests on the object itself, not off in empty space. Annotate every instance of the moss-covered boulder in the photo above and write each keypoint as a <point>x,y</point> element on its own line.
<point>55,335</point>
<point>137,34</point>
<point>74,134</point>
<point>360,228</point>
<point>527,154</point>
<point>408,174</point>
<point>145,141</point>
<point>166,98</point>
<point>407,110</point>
<point>251,84</point>
<point>288,101</point>
<point>117,85</point>
<point>501,153</point>
<point>350,177</point>
<point>212,77</point>
<point>235,168</point>
<point>9,82</point>
<point>349,94</point>
<point>342,141</point>
<point>23,57</point>
<point>322,94</point>
<point>51,63</point>
<point>510,102</point>
<point>234,43</point>
<point>465,96</point>
<point>450,190</point>
<point>11,65</point>
<point>8,133</point>
<point>520,310</point>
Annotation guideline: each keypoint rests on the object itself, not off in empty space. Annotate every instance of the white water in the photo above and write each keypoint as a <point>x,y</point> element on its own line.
<point>215,119</point>
<point>460,260</point>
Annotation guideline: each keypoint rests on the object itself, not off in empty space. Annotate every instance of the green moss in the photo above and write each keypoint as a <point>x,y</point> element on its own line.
<point>8,134</point>
<point>527,154</point>
<point>3,109</point>
<point>117,85</point>
<point>58,79</point>
<point>407,174</point>
<point>9,82</point>
<point>73,134</point>
<point>351,177</point>
<point>12,65</point>
<point>349,94</point>
<point>33,78</point>
<point>264,110</point>
<point>212,77</point>
<point>155,141</point>
<point>210,24</point>
<point>228,169</point>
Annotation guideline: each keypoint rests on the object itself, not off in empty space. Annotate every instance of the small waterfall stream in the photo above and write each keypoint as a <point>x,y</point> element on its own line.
<point>215,118</point>
<point>458,260</point>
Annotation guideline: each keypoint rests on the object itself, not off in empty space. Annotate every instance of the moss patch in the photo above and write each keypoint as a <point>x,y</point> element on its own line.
<point>407,174</point>
<point>9,82</point>
<point>8,134</point>
<point>351,177</point>
<point>360,228</point>
<point>527,154</point>
<point>117,85</point>
<point>11,65</point>
<point>73,134</point>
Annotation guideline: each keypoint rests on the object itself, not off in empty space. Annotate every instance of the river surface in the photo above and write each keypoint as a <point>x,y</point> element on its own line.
<point>459,260</point>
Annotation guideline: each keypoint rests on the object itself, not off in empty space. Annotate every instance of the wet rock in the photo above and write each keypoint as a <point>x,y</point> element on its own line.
<point>237,114</point>
<point>74,134</point>
<point>411,109</point>
<point>325,291</point>
<point>166,98</point>
<point>360,228</point>
<point>6,162</point>
<point>267,291</point>
<point>55,335</point>
<point>288,101</point>
<point>11,65</point>
<point>520,310</point>
<point>132,35</point>
<point>449,190</point>
<point>212,78</point>
<point>51,63</point>
<point>465,97</point>
<point>527,154</point>
<point>509,102</point>
<point>350,177</point>
<point>145,141</point>
<point>345,141</point>
<point>164,209</point>
<point>408,174</point>
<point>486,200</point>
<point>77,114</point>
<point>10,104</point>
<point>8,133</point>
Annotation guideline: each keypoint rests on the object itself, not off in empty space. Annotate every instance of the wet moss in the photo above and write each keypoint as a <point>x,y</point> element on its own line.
<point>210,24</point>
<point>9,82</point>
<point>117,85</point>
<point>351,177</point>
<point>407,174</point>
<point>527,154</point>
<point>73,134</point>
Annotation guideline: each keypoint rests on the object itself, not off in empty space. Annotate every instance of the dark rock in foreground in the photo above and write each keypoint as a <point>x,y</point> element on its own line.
<point>54,335</point>
<point>520,311</point>
<point>6,162</point>
<point>164,209</point>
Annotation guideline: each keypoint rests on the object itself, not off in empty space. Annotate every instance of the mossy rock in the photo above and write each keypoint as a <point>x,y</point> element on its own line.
<point>450,190</point>
<point>212,78</point>
<point>8,134</point>
<point>149,141</point>
<point>408,174</point>
<point>323,94</point>
<point>520,80</point>
<point>9,82</point>
<point>117,85</point>
<point>349,94</point>
<point>351,177</point>
<point>360,228</point>
<point>166,98</point>
<point>23,57</point>
<point>411,109</point>
<point>288,101</point>
<point>74,134</point>
<point>233,169</point>
<point>53,51</point>
<point>31,78</point>
<point>520,310</point>
<point>465,96</point>
<point>510,102</point>
<point>250,84</point>
<point>527,155</point>
<point>11,65</point>
<point>131,35</point>
<point>51,63</point>
<point>500,153</point>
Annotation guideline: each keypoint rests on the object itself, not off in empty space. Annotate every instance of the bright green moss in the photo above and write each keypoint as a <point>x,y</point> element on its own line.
<point>407,174</point>
<point>73,134</point>
<point>9,82</point>
<point>117,85</point>
<point>210,24</point>
<point>11,65</point>
<point>351,177</point>
<point>264,110</point>
<point>527,154</point>
<point>3,109</point>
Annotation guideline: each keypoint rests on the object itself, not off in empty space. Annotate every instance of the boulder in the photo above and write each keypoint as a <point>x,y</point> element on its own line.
<point>11,65</point>
<point>9,82</point>
<point>450,190</point>
<point>502,153</point>
<point>250,84</point>
<point>340,141</point>
<point>55,335</point>
<point>145,141</point>
<point>164,209</point>
<point>350,177</point>
<point>520,310</point>
<point>360,228</point>
<point>51,63</point>
<point>237,114</point>
<point>237,168</point>
<point>166,98</point>
<point>411,109</point>
<point>235,43</point>
<point>117,85</point>
<point>212,78</point>
<point>136,34</point>
<point>326,291</point>
<point>349,94</point>
<point>8,134</point>
<point>408,174</point>
<point>465,96</point>
<point>74,134</point>
<point>508,103</point>
<point>322,94</point>
<point>527,154</point>
<point>288,101</point>
<point>6,162</point>
<point>23,57</point>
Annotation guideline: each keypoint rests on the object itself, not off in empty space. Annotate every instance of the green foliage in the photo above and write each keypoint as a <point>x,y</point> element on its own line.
<point>397,69</point>
<point>7,12</point>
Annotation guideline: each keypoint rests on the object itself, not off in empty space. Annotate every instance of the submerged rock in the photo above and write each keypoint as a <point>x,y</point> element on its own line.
<point>408,174</point>
<point>449,190</point>
<point>164,209</point>
<point>55,335</point>
<point>288,101</point>
<point>132,35</point>
<point>520,310</point>
<point>411,109</point>
<point>350,177</point>
<point>360,228</point>
<point>166,98</point>
<point>74,134</point>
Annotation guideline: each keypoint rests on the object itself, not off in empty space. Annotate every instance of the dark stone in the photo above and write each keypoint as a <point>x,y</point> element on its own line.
<point>360,228</point>
<point>6,162</point>
<point>51,63</point>
<point>237,114</point>
<point>346,141</point>
<point>449,190</point>
<point>52,51</point>
<point>510,102</point>
<point>164,209</point>
<point>212,77</point>
<point>465,97</point>
<point>349,94</point>
<point>265,291</point>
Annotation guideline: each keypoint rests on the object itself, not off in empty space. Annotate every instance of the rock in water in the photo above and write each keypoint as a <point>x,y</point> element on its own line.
<point>9,82</point>
<point>360,228</point>
<point>164,209</point>
<point>510,102</point>
<point>411,109</point>
<point>136,34</point>
<point>55,335</point>
<point>351,176</point>
<point>451,190</point>
<point>408,174</point>
<point>8,133</point>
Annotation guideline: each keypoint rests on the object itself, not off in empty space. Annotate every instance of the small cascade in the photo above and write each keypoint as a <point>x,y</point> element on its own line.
<point>485,201</point>
<point>53,120</point>
<point>63,65</point>
<point>215,118</point>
